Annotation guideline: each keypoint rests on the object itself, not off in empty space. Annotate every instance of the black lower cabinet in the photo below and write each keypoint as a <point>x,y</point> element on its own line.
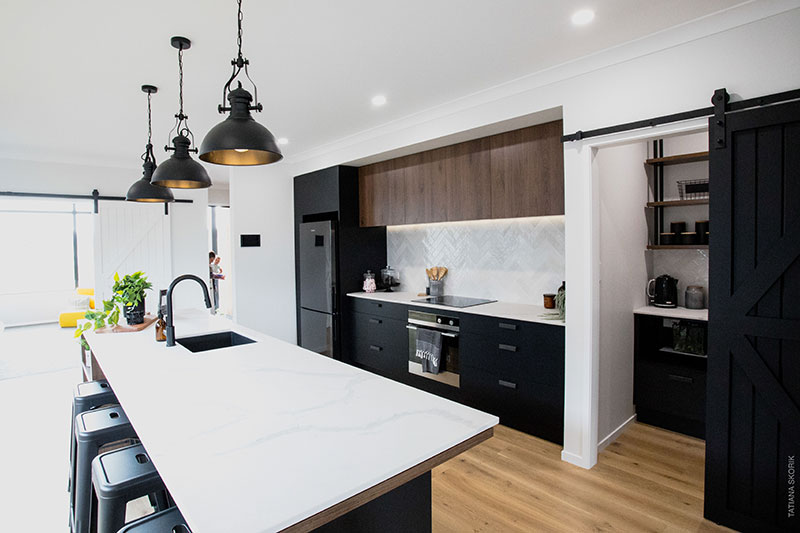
<point>517,375</point>
<point>379,344</point>
<point>669,388</point>
<point>521,404</point>
<point>512,369</point>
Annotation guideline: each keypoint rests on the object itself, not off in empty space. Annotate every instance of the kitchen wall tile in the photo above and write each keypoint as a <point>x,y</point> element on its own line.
<point>514,260</point>
<point>689,266</point>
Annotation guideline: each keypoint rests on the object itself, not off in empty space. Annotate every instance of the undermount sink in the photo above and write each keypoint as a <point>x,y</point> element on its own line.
<point>213,341</point>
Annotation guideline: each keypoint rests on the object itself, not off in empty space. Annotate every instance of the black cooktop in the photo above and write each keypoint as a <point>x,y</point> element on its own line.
<point>453,301</point>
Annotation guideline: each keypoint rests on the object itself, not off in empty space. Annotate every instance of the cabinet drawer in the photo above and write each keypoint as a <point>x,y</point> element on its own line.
<point>501,328</point>
<point>522,404</point>
<point>379,356</point>
<point>540,362</point>
<point>374,307</point>
<point>376,328</point>
<point>676,389</point>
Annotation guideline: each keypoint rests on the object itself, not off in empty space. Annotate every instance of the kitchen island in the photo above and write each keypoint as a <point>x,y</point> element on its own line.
<point>269,436</point>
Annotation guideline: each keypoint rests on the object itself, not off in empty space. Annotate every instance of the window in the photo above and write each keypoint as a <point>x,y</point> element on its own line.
<point>46,252</point>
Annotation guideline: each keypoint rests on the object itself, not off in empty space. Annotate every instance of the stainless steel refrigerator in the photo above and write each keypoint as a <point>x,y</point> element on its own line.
<point>318,313</point>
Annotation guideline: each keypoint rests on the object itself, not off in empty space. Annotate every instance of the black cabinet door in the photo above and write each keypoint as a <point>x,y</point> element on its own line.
<point>753,420</point>
<point>519,402</point>
<point>537,356</point>
<point>378,343</point>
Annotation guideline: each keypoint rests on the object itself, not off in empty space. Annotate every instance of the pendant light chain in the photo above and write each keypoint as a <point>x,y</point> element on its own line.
<point>149,122</point>
<point>148,153</point>
<point>239,39</point>
<point>180,84</point>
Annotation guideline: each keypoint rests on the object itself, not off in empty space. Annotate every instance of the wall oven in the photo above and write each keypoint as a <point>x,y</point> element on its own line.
<point>448,326</point>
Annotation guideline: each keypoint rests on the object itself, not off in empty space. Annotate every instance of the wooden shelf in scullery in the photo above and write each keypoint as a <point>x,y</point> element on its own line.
<point>696,197</point>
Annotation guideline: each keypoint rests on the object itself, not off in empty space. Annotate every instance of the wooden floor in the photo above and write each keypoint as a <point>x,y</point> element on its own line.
<point>648,480</point>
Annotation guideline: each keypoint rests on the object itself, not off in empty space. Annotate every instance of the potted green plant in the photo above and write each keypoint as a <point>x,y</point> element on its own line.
<point>128,292</point>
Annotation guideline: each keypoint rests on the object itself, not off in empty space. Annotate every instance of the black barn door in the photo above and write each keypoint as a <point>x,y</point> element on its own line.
<point>753,420</point>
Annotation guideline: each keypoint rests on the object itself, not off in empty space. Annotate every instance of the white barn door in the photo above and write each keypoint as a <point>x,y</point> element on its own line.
<point>129,237</point>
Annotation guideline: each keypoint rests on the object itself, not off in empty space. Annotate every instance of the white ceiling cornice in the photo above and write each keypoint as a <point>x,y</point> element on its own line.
<point>356,147</point>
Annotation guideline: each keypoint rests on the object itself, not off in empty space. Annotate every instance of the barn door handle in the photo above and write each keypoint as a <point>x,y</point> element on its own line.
<point>681,379</point>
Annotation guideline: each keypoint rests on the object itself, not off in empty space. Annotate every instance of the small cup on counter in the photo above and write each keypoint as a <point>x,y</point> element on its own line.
<point>549,301</point>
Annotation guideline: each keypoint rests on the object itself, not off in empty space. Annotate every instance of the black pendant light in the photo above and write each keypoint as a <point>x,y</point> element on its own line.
<point>180,171</point>
<point>239,140</point>
<point>143,190</point>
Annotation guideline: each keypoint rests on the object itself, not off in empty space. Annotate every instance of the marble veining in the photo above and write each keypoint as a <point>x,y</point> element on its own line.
<point>514,260</point>
<point>269,432</point>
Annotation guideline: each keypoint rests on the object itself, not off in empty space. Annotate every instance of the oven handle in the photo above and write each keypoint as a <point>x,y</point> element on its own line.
<point>452,335</point>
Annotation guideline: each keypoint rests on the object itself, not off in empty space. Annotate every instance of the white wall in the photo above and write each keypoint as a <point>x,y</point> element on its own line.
<point>262,202</point>
<point>623,185</point>
<point>751,50</point>
<point>189,227</point>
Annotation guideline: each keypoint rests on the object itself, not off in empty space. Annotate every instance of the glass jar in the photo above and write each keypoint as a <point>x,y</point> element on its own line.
<point>369,281</point>
<point>694,298</point>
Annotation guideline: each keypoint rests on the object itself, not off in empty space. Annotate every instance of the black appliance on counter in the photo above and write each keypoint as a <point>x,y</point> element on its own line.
<point>663,291</point>
<point>331,254</point>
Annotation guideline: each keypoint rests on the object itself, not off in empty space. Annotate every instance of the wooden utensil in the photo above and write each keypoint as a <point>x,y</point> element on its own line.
<point>428,272</point>
<point>435,271</point>
<point>443,272</point>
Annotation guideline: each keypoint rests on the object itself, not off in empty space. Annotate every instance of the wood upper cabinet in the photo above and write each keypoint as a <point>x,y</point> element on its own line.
<point>528,172</point>
<point>514,174</point>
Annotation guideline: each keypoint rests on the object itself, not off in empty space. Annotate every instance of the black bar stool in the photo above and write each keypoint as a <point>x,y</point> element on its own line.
<point>169,521</point>
<point>94,430</point>
<point>85,397</point>
<point>118,477</point>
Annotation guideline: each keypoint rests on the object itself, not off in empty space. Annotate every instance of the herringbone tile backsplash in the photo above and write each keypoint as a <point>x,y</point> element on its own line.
<point>512,260</point>
<point>689,266</point>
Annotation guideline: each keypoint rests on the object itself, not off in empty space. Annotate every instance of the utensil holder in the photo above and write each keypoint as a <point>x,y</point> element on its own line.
<point>437,287</point>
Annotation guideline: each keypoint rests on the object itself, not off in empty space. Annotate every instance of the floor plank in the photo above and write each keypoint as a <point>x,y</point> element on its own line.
<point>650,479</point>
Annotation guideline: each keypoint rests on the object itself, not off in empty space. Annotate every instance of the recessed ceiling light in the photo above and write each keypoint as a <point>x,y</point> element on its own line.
<point>582,17</point>
<point>378,100</point>
<point>282,140</point>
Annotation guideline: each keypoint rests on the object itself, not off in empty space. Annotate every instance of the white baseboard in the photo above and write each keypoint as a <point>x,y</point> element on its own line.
<point>574,459</point>
<point>616,433</point>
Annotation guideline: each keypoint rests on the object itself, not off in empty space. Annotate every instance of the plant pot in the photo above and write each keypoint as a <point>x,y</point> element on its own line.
<point>135,314</point>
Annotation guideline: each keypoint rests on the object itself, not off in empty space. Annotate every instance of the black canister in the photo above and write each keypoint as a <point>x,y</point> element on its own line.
<point>701,228</point>
<point>677,227</point>
<point>688,237</point>
<point>667,239</point>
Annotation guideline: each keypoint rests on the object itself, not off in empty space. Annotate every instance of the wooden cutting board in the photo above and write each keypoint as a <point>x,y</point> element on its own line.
<point>125,328</point>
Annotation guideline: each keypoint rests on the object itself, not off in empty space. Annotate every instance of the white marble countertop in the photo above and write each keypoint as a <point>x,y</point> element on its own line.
<point>260,436</point>
<point>673,312</point>
<point>511,311</point>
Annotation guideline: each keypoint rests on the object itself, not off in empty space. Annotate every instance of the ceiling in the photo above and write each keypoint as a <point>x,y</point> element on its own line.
<point>72,71</point>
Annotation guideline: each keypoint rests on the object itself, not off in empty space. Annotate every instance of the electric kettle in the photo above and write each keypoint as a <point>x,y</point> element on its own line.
<point>663,291</point>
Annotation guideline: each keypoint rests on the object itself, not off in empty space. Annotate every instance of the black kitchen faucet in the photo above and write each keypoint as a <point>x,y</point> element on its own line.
<point>170,327</point>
